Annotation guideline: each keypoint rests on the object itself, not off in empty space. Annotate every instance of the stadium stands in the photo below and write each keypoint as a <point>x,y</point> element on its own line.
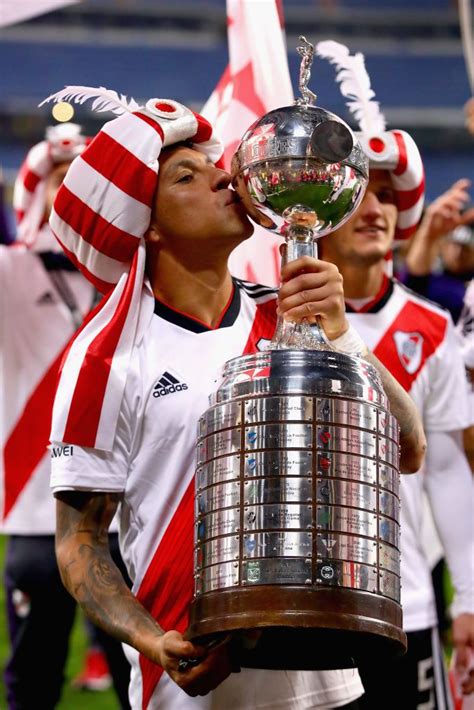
<point>412,47</point>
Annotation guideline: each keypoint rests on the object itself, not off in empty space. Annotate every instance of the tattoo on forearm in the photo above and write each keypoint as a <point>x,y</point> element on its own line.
<point>88,571</point>
<point>412,436</point>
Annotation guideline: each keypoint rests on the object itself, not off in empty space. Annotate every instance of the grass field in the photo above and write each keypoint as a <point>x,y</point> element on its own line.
<point>72,699</point>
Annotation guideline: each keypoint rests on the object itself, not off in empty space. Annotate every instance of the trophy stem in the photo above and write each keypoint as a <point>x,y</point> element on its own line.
<point>300,242</point>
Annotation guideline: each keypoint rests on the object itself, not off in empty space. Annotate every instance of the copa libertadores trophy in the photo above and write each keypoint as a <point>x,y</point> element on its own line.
<point>297,506</point>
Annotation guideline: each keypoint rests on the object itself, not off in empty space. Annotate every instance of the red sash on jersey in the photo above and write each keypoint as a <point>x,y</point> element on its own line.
<point>166,590</point>
<point>167,587</point>
<point>27,443</point>
<point>414,321</point>
<point>263,326</point>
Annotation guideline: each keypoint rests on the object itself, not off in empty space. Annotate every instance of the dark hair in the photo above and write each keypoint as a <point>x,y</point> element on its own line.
<point>175,146</point>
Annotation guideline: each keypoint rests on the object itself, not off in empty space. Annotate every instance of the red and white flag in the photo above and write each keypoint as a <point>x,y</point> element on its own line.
<point>257,80</point>
<point>13,11</point>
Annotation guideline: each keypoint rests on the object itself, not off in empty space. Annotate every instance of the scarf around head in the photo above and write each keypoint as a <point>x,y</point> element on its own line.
<point>99,217</point>
<point>62,143</point>
<point>391,150</point>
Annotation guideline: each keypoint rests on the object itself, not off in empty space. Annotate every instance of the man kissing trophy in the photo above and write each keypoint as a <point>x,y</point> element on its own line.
<point>296,518</point>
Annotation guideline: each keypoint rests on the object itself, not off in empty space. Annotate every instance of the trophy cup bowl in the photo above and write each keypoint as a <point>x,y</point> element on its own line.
<point>297,500</point>
<point>300,166</point>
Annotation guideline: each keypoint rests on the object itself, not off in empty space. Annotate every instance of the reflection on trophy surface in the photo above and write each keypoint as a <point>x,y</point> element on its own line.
<point>297,506</point>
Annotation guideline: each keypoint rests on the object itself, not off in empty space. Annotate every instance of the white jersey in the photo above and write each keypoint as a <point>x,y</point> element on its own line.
<point>173,370</point>
<point>465,330</point>
<point>415,339</point>
<point>35,325</point>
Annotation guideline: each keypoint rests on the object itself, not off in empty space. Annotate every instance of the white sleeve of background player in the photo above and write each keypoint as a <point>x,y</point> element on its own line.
<point>450,488</point>
<point>77,468</point>
<point>446,406</point>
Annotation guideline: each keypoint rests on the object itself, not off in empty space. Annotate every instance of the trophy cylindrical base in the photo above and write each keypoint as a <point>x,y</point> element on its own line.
<point>300,629</point>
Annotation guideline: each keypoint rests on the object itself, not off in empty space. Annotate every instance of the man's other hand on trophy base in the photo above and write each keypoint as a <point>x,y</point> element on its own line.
<point>195,669</point>
<point>312,289</point>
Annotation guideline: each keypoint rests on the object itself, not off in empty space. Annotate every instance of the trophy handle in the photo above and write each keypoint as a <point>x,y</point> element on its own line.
<point>300,242</point>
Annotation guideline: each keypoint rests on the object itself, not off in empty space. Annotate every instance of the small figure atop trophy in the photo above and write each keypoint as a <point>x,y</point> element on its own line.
<point>307,52</point>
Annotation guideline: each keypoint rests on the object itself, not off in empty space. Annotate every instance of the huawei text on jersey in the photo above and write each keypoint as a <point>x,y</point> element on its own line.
<point>61,451</point>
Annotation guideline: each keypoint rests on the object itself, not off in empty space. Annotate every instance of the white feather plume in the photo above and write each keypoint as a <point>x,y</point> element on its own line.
<point>104,99</point>
<point>355,85</point>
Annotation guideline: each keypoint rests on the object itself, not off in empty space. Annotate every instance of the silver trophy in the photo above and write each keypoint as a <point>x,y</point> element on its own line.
<point>297,504</point>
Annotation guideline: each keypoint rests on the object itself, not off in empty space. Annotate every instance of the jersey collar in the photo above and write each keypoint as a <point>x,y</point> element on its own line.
<point>183,320</point>
<point>378,302</point>
<point>56,261</point>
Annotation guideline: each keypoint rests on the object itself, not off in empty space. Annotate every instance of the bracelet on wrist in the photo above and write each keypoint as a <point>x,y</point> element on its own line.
<point>350,342</point>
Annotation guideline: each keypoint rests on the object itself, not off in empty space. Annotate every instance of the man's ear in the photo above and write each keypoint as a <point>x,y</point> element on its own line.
<point>151,235</point>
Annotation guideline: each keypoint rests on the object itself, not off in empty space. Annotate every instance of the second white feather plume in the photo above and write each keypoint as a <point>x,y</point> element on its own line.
<point>355,85</point>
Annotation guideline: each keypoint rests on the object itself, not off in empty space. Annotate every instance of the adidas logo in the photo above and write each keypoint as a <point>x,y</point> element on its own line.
<point>167,384</point>
<point>46,299</point>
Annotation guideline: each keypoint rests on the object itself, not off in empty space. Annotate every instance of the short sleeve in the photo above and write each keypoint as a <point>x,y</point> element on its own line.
<point>446,406</point>
<point>78,468</point>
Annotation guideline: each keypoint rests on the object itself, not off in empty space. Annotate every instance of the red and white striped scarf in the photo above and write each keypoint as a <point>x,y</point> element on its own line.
<point>62,143</point>
<point>391,150</point>
<point>100,215</point>
<point>397,152</point>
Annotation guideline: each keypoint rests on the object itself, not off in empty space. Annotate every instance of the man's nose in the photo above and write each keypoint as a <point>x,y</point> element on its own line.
<point>220,179</point>
<point>372,204</point>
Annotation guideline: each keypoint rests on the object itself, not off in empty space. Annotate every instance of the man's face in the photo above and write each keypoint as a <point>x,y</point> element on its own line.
<point>367,236</point>
<point>53,183</point>
<point>194,209</point>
